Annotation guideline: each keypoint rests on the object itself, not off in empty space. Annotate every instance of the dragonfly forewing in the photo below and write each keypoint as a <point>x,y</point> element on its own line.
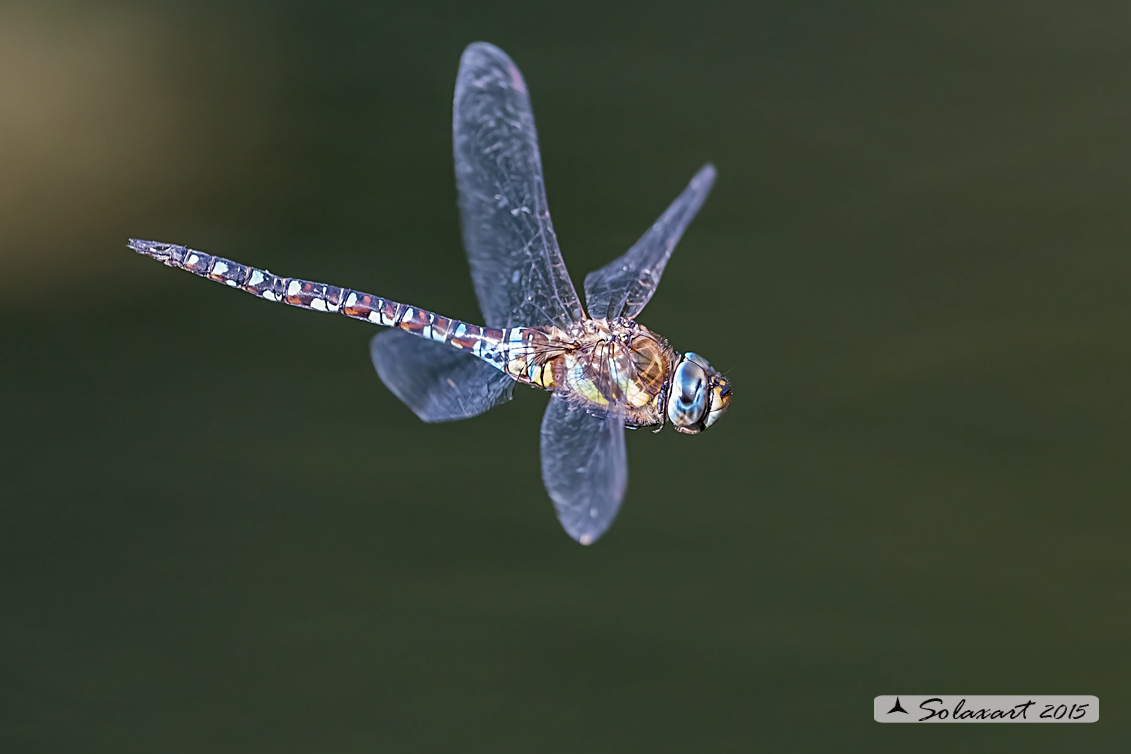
<point>623,287</point>
<point>516,264</point>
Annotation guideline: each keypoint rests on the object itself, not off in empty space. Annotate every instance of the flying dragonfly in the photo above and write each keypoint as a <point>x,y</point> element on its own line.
<point>604,370</point>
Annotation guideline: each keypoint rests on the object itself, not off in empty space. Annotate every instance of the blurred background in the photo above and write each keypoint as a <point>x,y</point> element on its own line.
<point>221,533</point>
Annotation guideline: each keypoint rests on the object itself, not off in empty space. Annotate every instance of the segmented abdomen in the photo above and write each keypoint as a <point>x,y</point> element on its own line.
<point>487,343</point>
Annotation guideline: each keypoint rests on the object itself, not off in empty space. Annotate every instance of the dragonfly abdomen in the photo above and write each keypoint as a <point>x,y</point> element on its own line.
<point>487,343</point>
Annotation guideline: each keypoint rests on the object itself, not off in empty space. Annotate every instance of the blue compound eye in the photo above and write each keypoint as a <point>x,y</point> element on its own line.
<point>689,356</point>
<point>687,404</point>
<point>690,388</point>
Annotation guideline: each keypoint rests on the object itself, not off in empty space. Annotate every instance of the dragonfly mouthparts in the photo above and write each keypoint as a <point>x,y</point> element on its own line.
<point>159,251</point>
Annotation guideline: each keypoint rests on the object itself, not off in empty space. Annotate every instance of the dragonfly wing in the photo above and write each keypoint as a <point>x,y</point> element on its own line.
<point>623,287</point>
<point>515,261</point>
<point>436,381</point>
<point>584,467</point>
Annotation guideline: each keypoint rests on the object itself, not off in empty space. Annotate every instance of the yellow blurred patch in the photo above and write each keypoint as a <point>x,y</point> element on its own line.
<point>100,129</point>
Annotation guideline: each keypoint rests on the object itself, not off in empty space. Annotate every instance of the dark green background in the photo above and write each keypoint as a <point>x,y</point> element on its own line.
<point>221,533</point>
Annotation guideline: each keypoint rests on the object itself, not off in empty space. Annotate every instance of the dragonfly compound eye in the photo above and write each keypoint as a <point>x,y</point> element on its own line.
<point>688,401</point>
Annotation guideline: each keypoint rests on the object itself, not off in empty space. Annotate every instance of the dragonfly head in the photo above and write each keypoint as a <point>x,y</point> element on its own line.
<point>698,395</point>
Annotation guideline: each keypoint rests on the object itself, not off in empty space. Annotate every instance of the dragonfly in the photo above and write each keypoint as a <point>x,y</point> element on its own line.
<point>605,371</point>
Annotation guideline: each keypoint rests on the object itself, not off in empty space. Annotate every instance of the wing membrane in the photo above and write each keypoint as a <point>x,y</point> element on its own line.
<point>516,265</point>
<point>437,382</point>
<point>623,287</point>
<point>584,467</point>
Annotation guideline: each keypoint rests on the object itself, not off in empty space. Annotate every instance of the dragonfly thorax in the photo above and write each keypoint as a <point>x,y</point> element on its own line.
<point>612,365</point>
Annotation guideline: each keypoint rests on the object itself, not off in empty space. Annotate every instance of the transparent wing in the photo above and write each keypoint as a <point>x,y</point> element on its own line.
<point>623,287</point>
<point>584,467</point>
<point>516,265</point>
<point>611,370</point>
<point>436,381</point>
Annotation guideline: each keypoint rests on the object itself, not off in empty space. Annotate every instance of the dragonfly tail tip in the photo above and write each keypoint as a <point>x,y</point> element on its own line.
<point>150,248</point>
